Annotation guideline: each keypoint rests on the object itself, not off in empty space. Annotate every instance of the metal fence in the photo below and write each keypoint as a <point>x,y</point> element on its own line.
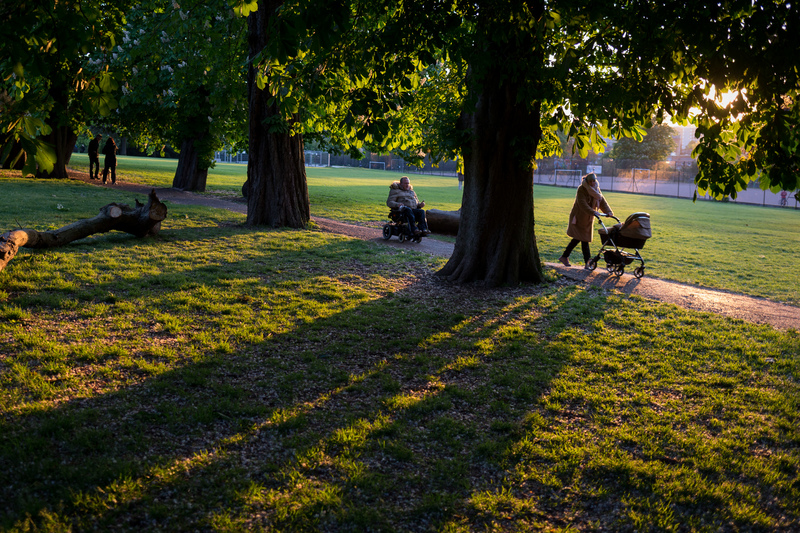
<point>656,179</point>
<point>673,179</point>
<point>224,156</point>
<point>447,168</point>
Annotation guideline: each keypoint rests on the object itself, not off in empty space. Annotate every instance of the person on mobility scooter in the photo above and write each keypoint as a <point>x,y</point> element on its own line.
<point>407,215</point>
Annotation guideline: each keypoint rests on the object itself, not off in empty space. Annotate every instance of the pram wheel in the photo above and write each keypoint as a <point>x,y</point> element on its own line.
<point>638,272</point>
<point>592,264</point>
<point>616,268</point>
<point>387,232</point>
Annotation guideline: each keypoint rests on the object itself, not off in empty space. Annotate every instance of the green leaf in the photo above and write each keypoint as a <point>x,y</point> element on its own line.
<point>41,154</point>
<point>243,8</point>
<point>107,82</point>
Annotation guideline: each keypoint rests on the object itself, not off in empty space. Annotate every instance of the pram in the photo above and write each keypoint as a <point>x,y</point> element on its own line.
<point>632,234</point>
<point>398,226</point>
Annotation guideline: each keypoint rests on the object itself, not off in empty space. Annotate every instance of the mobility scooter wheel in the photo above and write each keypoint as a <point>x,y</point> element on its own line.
<point>387,232</point>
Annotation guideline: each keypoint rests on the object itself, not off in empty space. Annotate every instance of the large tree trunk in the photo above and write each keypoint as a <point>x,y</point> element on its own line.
<point>63,140</point>
<point>61,137</point>
<point>143,220</point>
<point>496,243</point>
<point>189,176</point>
<point>276,188</point>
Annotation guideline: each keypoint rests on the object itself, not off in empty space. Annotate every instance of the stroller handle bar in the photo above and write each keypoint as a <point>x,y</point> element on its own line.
<point>598,215</point>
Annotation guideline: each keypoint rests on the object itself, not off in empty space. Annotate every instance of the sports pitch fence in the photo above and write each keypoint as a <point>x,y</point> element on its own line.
<point>660,179</point>
<point>661,183</point>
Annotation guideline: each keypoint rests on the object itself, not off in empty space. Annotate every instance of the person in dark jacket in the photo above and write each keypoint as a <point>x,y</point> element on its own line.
<point>94,158</point>
<point>110,163</point>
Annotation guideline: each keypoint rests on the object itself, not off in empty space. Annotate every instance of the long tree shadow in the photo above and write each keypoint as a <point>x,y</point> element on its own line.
<point>420,408</point>
<point>394,364</point>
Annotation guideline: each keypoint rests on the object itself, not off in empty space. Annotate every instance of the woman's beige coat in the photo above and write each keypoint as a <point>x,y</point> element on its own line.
<point>581,218</point>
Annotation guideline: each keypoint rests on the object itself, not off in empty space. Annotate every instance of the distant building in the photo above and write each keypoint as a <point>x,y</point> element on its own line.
<point>687,135</point>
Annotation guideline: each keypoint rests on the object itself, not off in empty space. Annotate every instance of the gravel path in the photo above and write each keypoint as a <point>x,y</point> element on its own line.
<point>757,310</point>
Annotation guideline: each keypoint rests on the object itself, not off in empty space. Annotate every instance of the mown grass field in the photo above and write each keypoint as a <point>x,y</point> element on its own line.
<point>224,378</point>
<point>745,249</point>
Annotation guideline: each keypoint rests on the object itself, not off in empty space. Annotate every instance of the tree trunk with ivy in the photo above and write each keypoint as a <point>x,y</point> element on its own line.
<point>276,187</point>
<point>496,242</point>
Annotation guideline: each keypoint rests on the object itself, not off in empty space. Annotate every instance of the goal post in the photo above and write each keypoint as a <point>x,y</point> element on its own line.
<point>378,165</point>
<point>315,158</point>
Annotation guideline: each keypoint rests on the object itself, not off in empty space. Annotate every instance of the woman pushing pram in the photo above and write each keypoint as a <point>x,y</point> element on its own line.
<point>588,199</point>
<point>632,234</point>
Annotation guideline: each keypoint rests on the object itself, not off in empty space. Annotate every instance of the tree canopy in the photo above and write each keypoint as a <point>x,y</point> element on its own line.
<point>748,49</point>
<point>490,80</point>
<point>49,84</point>
<point>593,70</point>
<point>657,144</point>
<point>184,82</point>
<point>496,81</point>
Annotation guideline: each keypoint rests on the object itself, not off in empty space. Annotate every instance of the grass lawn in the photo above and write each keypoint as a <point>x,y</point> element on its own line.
<point>740,248</point>
<point>224,378</point>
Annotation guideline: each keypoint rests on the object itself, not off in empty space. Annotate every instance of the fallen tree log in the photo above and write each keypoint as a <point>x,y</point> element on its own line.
<point>443,222</point>
<point>141,221</point>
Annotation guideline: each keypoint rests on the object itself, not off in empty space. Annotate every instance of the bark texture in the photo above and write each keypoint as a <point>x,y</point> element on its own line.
<point>189,176</point>
<point>141,221</point>
<point>276,188</point>
<point>496,242</point>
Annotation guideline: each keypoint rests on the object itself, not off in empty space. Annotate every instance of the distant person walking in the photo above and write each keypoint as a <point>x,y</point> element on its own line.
<point>784,194</point>
<point>94,158</point>
<point>588,200</point>
<point>110,162</point>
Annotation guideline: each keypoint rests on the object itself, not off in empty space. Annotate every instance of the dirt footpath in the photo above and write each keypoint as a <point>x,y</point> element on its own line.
<point>757,310</point>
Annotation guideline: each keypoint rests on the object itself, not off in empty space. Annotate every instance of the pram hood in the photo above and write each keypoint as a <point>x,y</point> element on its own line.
<point>636,226</point>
